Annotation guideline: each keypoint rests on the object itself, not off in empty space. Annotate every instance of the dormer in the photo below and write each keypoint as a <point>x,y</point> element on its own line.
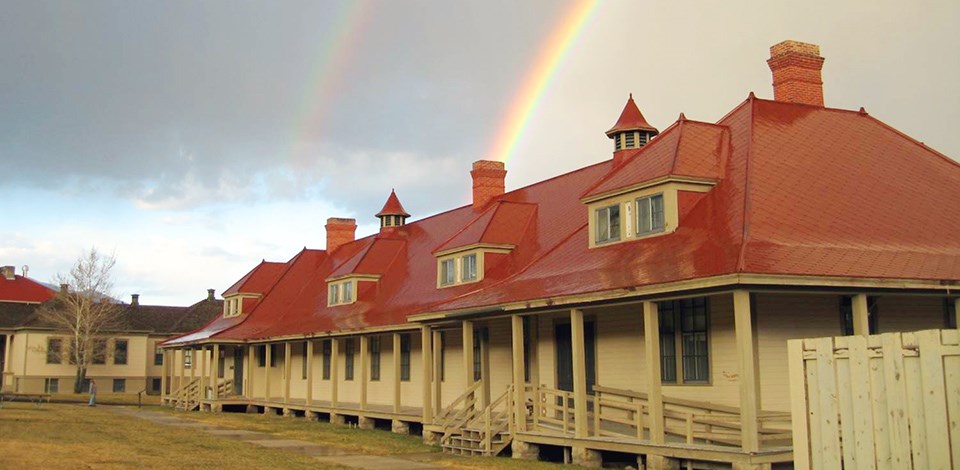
<point>245,294</point>
<point>392,214</point>
<point>237,304</point>
<point>358,278</point>
<point>630,132</point>
<point>648,194</point>
<point>344,290</point>
<point>484,243</point>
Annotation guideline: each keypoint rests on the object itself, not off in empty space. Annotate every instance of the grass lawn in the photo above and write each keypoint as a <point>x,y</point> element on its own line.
<point>62,436</point>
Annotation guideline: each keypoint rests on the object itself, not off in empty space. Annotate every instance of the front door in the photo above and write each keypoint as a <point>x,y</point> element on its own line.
<point>238,371</point>
<point>565,356</point>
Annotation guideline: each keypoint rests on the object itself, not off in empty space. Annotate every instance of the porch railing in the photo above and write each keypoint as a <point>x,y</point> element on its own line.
<point>463,410</point>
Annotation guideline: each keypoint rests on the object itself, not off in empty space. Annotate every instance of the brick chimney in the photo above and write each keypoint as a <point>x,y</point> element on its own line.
<point>339,232</point>
<point>488,182</point>
<point>796,72</point>
<point>134,300</point>
<point>9,272</point>
<point>64,289</point>
<point>210,294</point>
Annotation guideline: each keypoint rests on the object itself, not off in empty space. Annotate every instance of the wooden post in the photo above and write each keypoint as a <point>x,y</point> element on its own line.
<point>579,374</point>
<point>956,312</point>
<point>468,356</point>
<point>437,371</point>
<point>215,372</point>
<point>164,363</point>
<point>309,347</point>
<point>747,370</point>
<point>364,373</point>
<point>183,371</point>
<point>426,360</point>
<point>251,363</point>
<point>519,388</point>
<point>193,364</point>
<point>651,339</point>
<point>268,357</point>
<point>287,352</point>
<point>204,380</point>
<point>396,372</point>
<point>861,315</point>
<point>334,370</point>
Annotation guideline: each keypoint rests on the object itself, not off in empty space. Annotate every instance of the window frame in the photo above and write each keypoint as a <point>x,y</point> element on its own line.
<point>157,355</point>
<point>464,267</point>
<point>121,354</point>
<point>374,347</point>
<point>122,386</point>
<point>611,237</point>
<point>341,292</point>
<point>54,357</point>
<point>673,334</point>
<point>51,385</point>
<point>188,358</point>
<point>99,352</point>
<point>349,350</point>
<point>303,361</point>
<point>405,357</point>
<point>650,215</point>
<point>448,272</point>
<point>327,353</point>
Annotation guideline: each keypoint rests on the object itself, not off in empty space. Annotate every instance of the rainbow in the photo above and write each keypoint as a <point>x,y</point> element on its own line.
<point>538,79</point>
<point>326,77</point>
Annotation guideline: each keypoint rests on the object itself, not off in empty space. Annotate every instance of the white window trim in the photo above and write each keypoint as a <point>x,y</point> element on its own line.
<point>341,287</point>
<point>648,200</point>
<point>457,267</point>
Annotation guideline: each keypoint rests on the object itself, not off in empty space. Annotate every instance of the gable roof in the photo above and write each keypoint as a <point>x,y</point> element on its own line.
<point>25,290</point>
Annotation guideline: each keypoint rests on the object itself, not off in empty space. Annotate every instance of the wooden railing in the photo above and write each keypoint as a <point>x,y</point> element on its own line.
<point>460,412</point>
<point>495,419</point>
<point>188,396</point>
<point>616,412</point>
<point>224,388</point>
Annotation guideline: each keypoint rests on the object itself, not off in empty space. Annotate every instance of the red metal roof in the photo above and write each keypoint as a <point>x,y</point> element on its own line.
<point>258,280</point>
<point>392,206</point>
<point>24,290</point>
<point>800,190</point>
<point>631,119</point>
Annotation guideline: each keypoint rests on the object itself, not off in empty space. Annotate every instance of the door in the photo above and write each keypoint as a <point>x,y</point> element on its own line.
<point>238,371</point>
<point>565,356</point>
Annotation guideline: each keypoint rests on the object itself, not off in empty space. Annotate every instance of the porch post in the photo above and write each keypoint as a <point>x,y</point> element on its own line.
<point>309,347</point>
<point>268,358</point>
<point>334,371</point>
<point>287,350</point>
<point>193,364</point>
<point>183,365</point>
<point>651,338</point>
<point>163,375</point>
<point>396,372</point>
<point>251,363</point>
<point>861,315</point>
<point>426,360</point>
<point>747,370</point>
<point>579,374</point>
<point>956,312</point>
<point>437,371</point>
<point>519,385</point>
<point>468,355</point>
<point>364,373</point>
<point>204,378</point>
<point>215,371</point>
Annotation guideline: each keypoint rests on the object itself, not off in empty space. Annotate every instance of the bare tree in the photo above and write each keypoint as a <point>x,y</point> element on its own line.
<point>86,311</point>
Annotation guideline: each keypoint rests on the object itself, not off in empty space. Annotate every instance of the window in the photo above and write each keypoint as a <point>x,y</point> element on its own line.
<point>650,214</point>
<point>405,357</point>
<point>846,315</point>
<point>99,351</point>
<point>119,385</point>
<point>468,268</point>
<point>303,361</point>
<point>447,272</point>
<point>683,334</point>
<point>120,351</point>
<point>261,352</point>
<point>54,351</point>
<point>334,296</point>
<point>375,358</point>
<point>346,294</point>
<point>155,385</point>
<point>187,358</point>
<point>274,353</point>
<point>157,356</point>
<point>479,336</point>
<point>51,385</point>
<point>608,224</point>
<point>618,143</point>
<point>950,313</point>
<point>326,360</point>
<point>348,359</point>
<point>340,293</point>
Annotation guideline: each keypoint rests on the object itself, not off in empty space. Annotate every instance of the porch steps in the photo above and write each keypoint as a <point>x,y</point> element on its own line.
<point>471,442</point>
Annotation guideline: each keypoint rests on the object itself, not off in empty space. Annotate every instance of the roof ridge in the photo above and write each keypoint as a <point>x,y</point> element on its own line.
<point>745,232</point>
<point>470,223</point>
<point>676,149</point>
<point>911,139</point>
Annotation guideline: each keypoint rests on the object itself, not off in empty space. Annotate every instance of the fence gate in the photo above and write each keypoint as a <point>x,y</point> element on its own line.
<point>881,401</point>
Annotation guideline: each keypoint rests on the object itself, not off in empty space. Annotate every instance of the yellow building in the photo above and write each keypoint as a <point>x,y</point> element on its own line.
<point>639,306</point>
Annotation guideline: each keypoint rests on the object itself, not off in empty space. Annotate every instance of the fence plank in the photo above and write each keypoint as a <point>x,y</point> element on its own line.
<point>951,374</point>
<point>918,433</point>
<point>862,405</point>
<point>934,401</point>
<point>894,383</point>
<point>798,404</point>
<point>845,400</point>
<point>829,434</point>
<point>814,411</point>
<point>878,401</point>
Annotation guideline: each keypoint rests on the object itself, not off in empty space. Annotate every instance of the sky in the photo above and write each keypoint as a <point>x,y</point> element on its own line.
<point>194,139</point>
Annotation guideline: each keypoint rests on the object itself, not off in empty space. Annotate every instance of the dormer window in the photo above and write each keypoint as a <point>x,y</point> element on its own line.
<point>233,304</point>
<point>468,268</point>
<point>650,217</point>
<point>461,267</point>
<point>447,272</point>
<point>608,224</point>
<point>340,293</point>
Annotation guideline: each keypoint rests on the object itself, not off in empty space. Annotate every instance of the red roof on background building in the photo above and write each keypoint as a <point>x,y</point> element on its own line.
<point>24,290</point>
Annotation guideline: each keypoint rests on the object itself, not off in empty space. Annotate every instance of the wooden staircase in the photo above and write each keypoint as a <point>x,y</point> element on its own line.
<point>477,432</point>
<point>187,398</point>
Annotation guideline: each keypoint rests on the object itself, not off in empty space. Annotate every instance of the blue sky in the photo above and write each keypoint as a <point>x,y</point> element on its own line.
<point>195,139</point>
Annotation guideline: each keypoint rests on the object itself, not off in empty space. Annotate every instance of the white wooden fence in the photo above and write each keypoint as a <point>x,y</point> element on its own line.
<point>882,401</point>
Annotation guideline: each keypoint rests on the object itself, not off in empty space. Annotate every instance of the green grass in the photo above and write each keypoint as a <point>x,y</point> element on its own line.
<point>105,398</point>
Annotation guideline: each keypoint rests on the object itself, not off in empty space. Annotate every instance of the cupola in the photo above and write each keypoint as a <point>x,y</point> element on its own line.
<point>392,214</point>
<point>630,132</point>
